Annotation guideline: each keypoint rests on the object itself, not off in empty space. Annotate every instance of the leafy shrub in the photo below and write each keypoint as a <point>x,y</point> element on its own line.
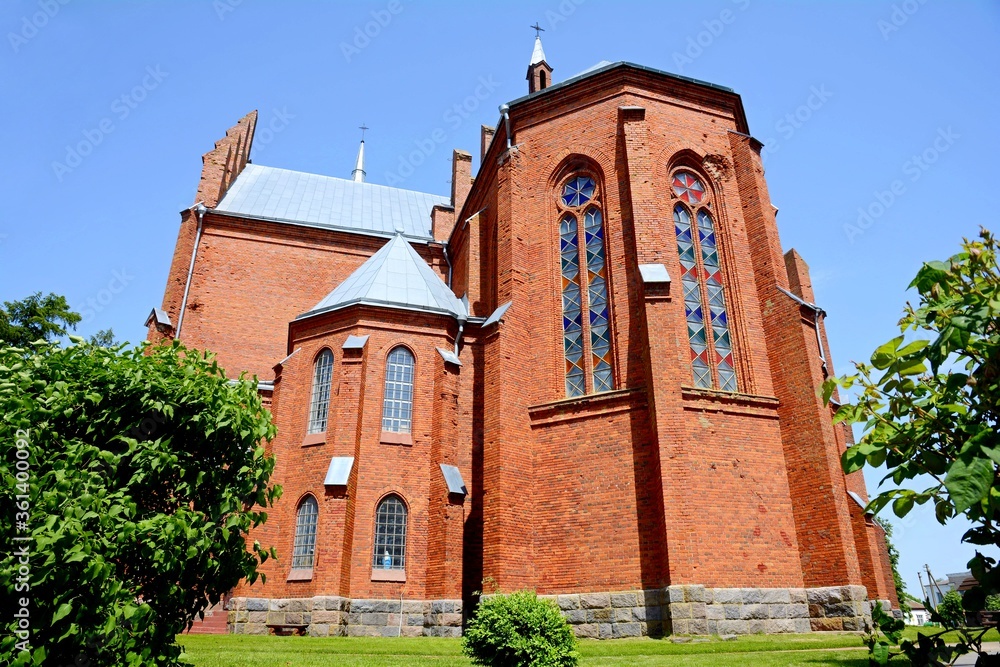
<point>992,603</point>
<point>135,474</point>
<point>519,630</point>
<point>951,611</point>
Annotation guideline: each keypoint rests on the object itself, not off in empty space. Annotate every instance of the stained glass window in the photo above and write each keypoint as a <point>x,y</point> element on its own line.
<point>586,311</point>
<point>304,548</point>
<point>578,191</point>
<point>688,188</point>
<point>319,407</point>
<point>397,403</point>
<point>390,535</point>
<point>597,292</point>
<point>704,295</point>
<point>572,309</point>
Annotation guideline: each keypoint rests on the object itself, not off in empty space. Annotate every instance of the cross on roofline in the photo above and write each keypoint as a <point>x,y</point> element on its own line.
<point>537,28</point>
<point>363,128</point>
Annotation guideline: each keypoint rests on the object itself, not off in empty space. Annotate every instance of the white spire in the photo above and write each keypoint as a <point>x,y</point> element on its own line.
<point>538,55</point>
<point>359,169</point>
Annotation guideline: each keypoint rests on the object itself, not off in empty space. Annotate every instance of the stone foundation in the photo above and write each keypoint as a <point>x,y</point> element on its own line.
<point>678,610</point>
<point>697,610</point>
<point>336,616</point>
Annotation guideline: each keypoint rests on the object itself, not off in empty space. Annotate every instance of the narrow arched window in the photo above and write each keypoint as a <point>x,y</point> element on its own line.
<point>304,549</point>
<point>542,80</point>
<point>586,339</point>
<point>397,403</point>
<point>319,406</point>
<point>390,534</point>
<point>701,281</point>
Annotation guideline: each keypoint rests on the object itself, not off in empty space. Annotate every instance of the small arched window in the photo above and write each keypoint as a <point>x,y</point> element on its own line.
<point>304,549</point>
<point>397,403</point>
<point>701,279</point>
<point>390,534</point>
<point>542,80</point>
<point>319,406</point>
<point>586,310</point>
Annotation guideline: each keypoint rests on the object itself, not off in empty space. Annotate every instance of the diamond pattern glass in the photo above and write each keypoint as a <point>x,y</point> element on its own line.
<point>304,548</point>
<point>390,535</point>
<point>397,403</point>
<point>704,320</point>
<point>319,407</point>
<point>569,250</point>
<point>597,293</point>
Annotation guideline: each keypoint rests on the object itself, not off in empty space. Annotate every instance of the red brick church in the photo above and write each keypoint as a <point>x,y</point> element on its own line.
<point>590,371</point>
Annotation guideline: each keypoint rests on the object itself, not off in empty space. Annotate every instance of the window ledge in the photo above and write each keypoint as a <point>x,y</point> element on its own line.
<point>393,438</point>
<point>314,439</point>
<point>379,574</point>
<point>300,574</point>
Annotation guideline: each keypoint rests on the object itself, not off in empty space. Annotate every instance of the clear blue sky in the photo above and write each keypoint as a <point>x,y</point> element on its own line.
<point>147,87</point>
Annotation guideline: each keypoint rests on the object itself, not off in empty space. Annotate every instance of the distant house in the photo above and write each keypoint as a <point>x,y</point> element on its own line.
<point>918,614</point>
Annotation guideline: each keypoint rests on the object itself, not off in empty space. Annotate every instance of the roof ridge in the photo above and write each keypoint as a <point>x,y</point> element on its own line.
<point>346,180</point>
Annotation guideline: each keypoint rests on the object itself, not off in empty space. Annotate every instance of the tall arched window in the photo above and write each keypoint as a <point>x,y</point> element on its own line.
<point>701,279</point>
<point>390,534</point>
<point>319,407</point>
<point>304,549</point>
<point>397,403</point>
<point>586,340</point>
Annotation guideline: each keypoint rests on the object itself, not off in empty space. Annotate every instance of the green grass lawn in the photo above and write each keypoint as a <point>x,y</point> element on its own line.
<point>767,651</point>
<point>842,649</point>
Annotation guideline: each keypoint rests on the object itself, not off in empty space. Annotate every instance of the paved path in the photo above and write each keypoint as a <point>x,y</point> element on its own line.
<point>989,647</point>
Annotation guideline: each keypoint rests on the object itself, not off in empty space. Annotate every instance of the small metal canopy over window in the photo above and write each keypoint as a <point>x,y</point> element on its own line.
<point>453,478</point>
<point>339,471</point>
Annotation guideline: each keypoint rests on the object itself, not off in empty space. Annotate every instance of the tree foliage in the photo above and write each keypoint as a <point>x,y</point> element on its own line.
<point>928,402</point>
<point>950,610</point>
<point>519,630</point>
<point>34,318</point>
<point>897,579</point>
<point>137,475</point>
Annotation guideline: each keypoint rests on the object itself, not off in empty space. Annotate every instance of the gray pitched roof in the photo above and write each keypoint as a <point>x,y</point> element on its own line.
<point>337,203</point>
<point>394,277</point>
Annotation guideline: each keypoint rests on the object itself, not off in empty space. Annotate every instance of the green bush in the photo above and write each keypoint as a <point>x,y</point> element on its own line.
<point>951,611</point>
<point>992,603</point>
<point>519,630</point>
<point>135,475</point>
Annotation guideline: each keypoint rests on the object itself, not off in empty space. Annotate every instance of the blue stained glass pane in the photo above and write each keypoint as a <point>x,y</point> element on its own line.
<point>687,255</point>
<point>695,315</point>
<point>578,191</point>
<point>721,318</point>
<point>710,257</point>
<point>707,239</point>
<point>681,216</point>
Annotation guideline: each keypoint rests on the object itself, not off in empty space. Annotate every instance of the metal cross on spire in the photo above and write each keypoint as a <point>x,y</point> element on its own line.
<point>363,128</point>
<point>537,28</point>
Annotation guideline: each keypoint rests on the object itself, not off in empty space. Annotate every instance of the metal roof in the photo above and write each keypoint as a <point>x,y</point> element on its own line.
<point>604,66</point>
<point>538,54</point>
<point>283,195</point>
<point>395,277</point>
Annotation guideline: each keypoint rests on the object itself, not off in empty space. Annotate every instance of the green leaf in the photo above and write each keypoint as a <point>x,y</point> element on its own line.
<point>885,354</point>
<point>64,609</point>
<point>880,654</point>
<point>968,483</point>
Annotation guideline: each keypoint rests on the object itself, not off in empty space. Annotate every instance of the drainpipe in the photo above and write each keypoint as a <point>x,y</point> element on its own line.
<point>199,210</point>
<point>505,111</point>
<point>458,338</point>
<point>444,249</point>
<point>817,313</point>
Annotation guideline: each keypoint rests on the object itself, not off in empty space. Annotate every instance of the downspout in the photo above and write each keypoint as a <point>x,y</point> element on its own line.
<point>817,313</point>
<point>458,338</point>
<point>199,210</point>
<point>505,111</point>
<point>444,249</point>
